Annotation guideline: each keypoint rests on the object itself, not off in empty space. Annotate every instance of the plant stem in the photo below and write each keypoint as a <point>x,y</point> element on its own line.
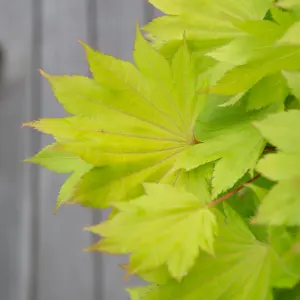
<point>270,148</point>
<point>225,197</point>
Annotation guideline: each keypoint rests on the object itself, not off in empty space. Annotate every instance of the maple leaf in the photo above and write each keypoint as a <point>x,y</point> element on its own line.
<point>60,161</point>
<point>235,153</point>
<point>207,24</point>
<point>242,268</point>
<point>281,205</point>
<point>156,229</point>
<point>134,124</point>
<point>282,53</point>
<point>289,4</point>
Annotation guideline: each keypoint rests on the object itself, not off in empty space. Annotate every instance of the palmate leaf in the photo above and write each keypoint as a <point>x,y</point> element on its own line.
<point>258,35</point>
<point>228,139</point>
<point>167,226</point>
<point>206,24</point>
<point>281,205</point>
<point>60,161</point>
<point>134,125</point>
<point>236,152</point>
<point>243,268</point>
<point>282,54</point>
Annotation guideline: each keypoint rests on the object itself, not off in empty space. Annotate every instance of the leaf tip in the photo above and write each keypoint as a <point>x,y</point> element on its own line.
<point>29,124</point>
<point>44,74</point>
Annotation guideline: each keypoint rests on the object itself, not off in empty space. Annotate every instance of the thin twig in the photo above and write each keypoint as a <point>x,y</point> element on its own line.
<point>223,198</point>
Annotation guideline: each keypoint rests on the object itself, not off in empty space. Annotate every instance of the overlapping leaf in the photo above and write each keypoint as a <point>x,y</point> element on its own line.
<point>130,124</point>
<point>60,161</point>
<point>293,79</point>
<point>281,54</point>
<point>289,4</point>
<point>206,24</point>
<point>236,152</point>
<point>282,203</point>
<point>167,226</point>
<point>243,268</point>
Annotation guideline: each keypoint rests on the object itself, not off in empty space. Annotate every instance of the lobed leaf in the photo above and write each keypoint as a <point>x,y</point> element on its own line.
<point>242,269</point>
<point>281,205</point>
<point>156,229</point>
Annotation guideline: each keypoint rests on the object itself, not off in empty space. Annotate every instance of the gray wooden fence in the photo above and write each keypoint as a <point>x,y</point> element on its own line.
<point>41,255</point>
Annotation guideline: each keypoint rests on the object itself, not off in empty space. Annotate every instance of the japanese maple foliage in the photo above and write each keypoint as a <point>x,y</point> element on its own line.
<point>195,147</point>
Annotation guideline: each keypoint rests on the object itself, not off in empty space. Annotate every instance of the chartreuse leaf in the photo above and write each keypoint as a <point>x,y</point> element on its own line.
<point>60,161</point>
<point>166,226</point>
<point>242,268</point>
<point>270,89</point>
<point>206,24</point>
<point>291,37</point>
<point>218,118</point>
<point>56,160</point>
<point>281,205</point>
<point>243,77</point>
<point>235,152</point>
<point>283,18</point>
<point>260,34</point>
<point>138,293</point>
<point>134,125</point>
<point>246,10</point>
<point>67,189</point>
<point>288,4</point>
<point>293,80</point>
<point>204,20</point>
<point>283,53</point>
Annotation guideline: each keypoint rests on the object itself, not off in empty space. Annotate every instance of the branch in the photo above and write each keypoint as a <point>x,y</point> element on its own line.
<point>225,197</point>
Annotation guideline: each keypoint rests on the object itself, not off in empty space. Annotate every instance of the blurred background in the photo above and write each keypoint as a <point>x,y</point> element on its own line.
<point>41,255</point>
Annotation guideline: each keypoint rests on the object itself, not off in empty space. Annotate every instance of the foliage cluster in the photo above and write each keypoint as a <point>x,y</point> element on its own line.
<point>195,147</point>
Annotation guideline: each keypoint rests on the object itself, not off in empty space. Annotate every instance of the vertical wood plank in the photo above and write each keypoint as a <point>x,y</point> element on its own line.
<point>15,107</point>
<point>65,271</point>
<point>116,28</point>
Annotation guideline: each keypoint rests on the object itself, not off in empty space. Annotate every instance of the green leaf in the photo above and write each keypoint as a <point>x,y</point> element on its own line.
<point>85,100</point>
<point>290,294</point>
<point>282,203</point>
<point>206,24</point>
<point>138,293</point>
<point>153,226</point>
<point>218,117</point>
<point>282,18</point>
<point>288,4</point>
<point>280,166</point>
<point>236,152</point>
<point>291,37</point>
<point>293,80</point>
<point>261,34</point>
<point>56,160</point>
<point>274,86</point>
<point>277,130</point>
<point>274,59</point>
<point>59,161</point>
<point>228,8</point>
<point>67,189</point>
<point>135,125</point>
<point>241,269</point>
